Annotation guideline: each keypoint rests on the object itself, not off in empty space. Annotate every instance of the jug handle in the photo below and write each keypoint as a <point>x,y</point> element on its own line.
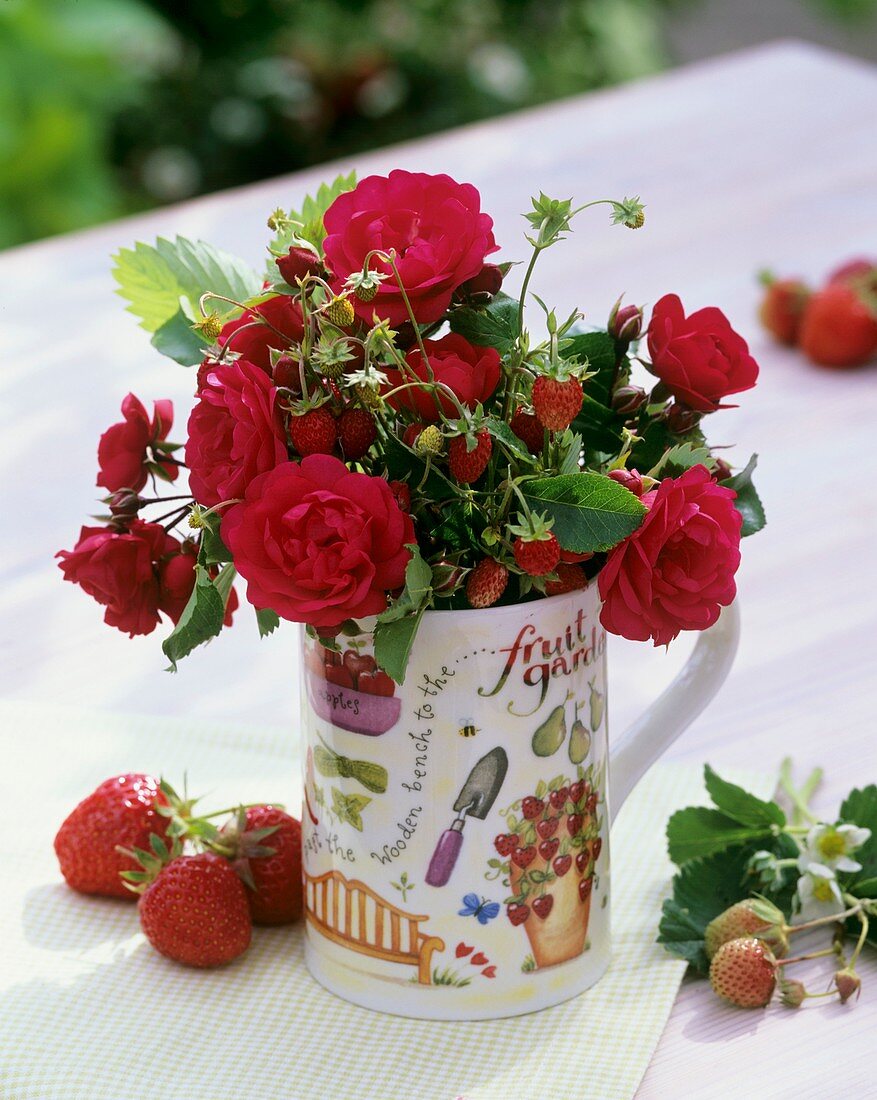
<point>646,739</point>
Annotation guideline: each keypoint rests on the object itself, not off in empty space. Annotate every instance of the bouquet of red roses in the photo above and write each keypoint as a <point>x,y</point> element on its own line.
<point>376,432</point>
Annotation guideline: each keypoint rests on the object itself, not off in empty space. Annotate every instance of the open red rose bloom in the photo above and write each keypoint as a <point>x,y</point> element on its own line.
<point>374,433</point>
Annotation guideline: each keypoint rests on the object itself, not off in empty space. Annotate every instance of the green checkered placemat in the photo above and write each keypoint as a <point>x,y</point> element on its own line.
<point>88,1010</point>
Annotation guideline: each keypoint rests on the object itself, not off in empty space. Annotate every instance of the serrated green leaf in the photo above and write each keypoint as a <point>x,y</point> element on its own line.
<point>179,341</point>
<point>163,280</point>
<point>860,808</point>
<point>393,642</point>
<point>739,804</point>
<point>201,619</point>
<point>590,512</point>
<point>698,831</point>
<point>495,325</point>
<point>682,457</point>
<point>213,550</point>
<point>415,595</point>
<point>310,219</point>
<point>267,620</point>
<point>500,430</point>
<point>748,502</point>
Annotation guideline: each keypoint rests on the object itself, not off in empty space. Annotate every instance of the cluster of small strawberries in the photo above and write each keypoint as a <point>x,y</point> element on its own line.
<point>201,888</point>
<point>348,669</point>
<point>835,326</point>
<point>748,945</point>
<point>554,834</point>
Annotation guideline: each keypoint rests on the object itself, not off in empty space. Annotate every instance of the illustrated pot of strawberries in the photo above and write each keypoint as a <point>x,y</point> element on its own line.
<point>346,687</point>
<point>549,855</point>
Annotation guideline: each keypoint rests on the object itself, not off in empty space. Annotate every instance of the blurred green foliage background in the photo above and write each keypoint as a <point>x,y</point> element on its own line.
<point>111,106</point>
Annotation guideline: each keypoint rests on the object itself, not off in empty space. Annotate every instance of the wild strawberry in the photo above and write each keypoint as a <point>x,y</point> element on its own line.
<point>558,798</point>
<point>264,844</point>
<point>356,432</point>
<point>517,912</point>
<point>527,428</point>
<point>585,888</point>
<point>286,373</point>
<point>744,972</point>
<point>313,432</point>
<point>543,906</point>
<point>556,403</point>
<point>571,558</point>
<point>121,811</point>
<point>838,329</point>
<point>532,807</point>
<point>570,578</point>
<point>753,917</point>
<point>782,307</point>
<point>548,849</point>
<point>506,843</point>
<point>486,583</point>
<point>548,827</point>
<point>523,857</point>
<point>465,465</point>
<point>561,865</point>
<point>537,556</point>
<point>196,912</point>
<point>402,494</point>
<point>574,824</point>
<point>340,312</point>
<point>297,263</point>
<point>429,441</point>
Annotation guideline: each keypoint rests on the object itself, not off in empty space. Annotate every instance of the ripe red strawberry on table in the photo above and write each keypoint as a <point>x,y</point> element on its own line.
<point>744,972</point>
<point>264,845</point>
<point>782,307</point>
<point>121,811</point>
<point>839,328</point>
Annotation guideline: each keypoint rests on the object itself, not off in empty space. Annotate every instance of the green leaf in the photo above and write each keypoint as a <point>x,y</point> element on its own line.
<point>698,831</point>
<point>599,426</point>
<point>590,512</point>
<point>501,431</point>
<point>740,804</point>
<point>860,808</point>
<point>494,325</point>
<point>163,280</point>
<point>404,465</point>
<point>748,502</point>
<point>201,619</point>
<point>179,341</point>
<point>267,620</point>
<point>213,550</point>
<point>393,642</point>
<point>310,218</point>
<point>597,349</point>
<point>417,590</point>
<point>680,458</point>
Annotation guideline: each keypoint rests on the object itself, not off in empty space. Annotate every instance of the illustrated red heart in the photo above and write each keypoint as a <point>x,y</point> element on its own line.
<point>574,824</point>
<point>577,790</point>
<point>548,849</point>
<point>543,906</point>
<point>561,865</point>
<point>558,798</point>
<point>517,912</point>
<point>489,972</point>
<point>463,950</point>
<point>585,887</point>
<point>357,663</point>
<point>523,857</point>
<point>479,959</point>
<point>548,827</point>
<point>338,674</point>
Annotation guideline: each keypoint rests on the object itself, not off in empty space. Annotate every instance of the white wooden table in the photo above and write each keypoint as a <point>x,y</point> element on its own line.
<point>765,157</point>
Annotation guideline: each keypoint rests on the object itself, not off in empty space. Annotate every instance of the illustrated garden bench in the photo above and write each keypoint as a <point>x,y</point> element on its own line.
<point>349,913</point>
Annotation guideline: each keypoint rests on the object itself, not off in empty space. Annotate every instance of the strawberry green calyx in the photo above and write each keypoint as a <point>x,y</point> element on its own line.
<point>532,527</point>
<point>151,863</point>
<point>239,844</point>
<point>629,212</point>
<point>754,916</point>
<point>365,284</point>
<point>792,992</point>
<point>847,982</point>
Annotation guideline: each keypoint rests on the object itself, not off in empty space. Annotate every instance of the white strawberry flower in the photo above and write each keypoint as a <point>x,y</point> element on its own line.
<point>831,845</point>
<point>818,893</point>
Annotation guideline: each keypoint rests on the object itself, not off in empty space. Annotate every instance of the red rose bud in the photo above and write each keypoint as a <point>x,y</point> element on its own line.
<point>124,504</point>
<point>298,263</point>
<point>629,399</point>
<point>680,418</point>
<point>287,374</point>
<point>446,577</point>
<point>625,322</point>
<point>630,479</point>
<point>483,287</point>
<point>722,470</point>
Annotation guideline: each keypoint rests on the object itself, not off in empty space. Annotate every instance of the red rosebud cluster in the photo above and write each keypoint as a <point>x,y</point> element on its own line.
<point>124,450</point>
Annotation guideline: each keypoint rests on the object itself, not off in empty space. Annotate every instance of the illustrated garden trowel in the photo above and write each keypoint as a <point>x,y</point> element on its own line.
<point>475,799</point>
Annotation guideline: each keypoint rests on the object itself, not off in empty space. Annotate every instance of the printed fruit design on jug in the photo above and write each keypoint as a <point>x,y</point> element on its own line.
<point>547,857</point>
<point>346,687</point>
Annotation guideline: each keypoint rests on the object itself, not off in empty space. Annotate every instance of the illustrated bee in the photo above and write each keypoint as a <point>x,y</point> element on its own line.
<point>467,729</point>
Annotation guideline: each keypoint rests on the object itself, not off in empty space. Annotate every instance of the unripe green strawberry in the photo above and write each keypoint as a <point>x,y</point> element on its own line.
<point>753,917</point>
<point>366,292</point>
<point>430,441</point>
<point>340,312</point>
<point>743,972</point>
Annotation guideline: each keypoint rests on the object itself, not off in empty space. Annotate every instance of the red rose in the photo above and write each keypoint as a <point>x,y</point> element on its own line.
<point>253,339</point>
<point>317,543</point>
<point>176,579</point>
<point>123,449</point>
<point>472,373</point>
<point>435,226</point>
<point>235,432</point>
<point>120,570</point>
<point>700,358</point>
<point>677,569</point>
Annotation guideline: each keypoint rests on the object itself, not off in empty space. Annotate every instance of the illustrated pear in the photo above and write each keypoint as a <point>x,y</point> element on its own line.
<point>598,704</point>
<point>551,734</point>
<point>579,740</point>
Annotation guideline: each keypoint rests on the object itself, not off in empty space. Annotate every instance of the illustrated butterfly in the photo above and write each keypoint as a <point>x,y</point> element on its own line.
<point>481,908</point>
